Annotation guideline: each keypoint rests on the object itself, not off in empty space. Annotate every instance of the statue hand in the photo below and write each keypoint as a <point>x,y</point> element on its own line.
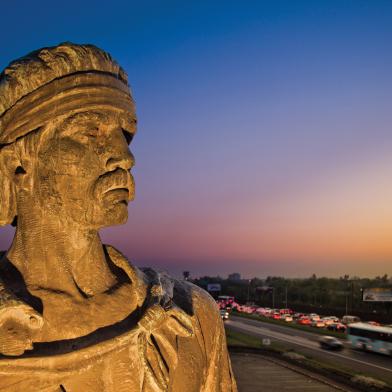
<point>19,324</point>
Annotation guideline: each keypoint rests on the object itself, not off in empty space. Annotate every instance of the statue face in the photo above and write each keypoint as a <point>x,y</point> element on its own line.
<point>82,173</point>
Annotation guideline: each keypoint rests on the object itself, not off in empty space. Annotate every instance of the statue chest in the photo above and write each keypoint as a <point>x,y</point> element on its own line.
<point>119,364</point>
<point>97,312</point>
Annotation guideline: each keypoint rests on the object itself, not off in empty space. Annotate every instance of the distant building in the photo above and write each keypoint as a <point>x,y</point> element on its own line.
<point>234,276</point>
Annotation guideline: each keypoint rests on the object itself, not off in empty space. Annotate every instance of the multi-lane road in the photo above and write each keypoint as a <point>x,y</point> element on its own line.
<point>375,365</point>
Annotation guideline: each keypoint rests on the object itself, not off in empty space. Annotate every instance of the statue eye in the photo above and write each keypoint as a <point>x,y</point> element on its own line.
<point>92,132</point>
<point>128,136</point>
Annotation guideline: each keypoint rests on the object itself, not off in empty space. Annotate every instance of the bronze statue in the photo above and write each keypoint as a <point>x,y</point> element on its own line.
<point>75,315</point>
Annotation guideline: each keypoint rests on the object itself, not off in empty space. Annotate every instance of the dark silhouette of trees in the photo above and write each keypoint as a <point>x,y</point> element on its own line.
<point>325,295</point>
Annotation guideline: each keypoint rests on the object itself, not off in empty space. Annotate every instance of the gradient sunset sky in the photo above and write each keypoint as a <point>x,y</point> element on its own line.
<point>265,141</point>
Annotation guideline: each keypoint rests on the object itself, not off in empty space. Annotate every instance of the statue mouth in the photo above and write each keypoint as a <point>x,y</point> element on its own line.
<point>117,185</point>
<point>117,195</point>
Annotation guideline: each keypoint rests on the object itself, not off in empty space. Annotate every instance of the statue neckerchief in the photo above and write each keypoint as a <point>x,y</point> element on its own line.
<point>164,345</point>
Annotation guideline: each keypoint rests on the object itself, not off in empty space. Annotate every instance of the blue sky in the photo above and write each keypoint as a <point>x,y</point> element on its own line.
<point>264,140</point>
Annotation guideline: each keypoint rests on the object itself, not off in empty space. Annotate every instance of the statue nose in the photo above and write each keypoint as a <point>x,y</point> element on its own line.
<point>124,161</point>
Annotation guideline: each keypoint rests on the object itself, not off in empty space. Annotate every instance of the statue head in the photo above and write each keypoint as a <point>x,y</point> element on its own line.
<point>66,119</point>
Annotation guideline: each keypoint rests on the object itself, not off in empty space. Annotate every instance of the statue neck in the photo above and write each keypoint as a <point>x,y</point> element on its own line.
<point>60,257</point>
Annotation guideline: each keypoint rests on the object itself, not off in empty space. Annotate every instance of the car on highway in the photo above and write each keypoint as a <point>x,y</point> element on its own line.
<point>276,316</point>
<point>337,327</point>
<point>330,320</point>
<point>246,309</point>
<point>268,313</point>
<point>260,311</point>
<point>224,314</point>
<point>304,321</point>
<point>286,317</point>
<point>318,324</point>
<point>314,316</point>
<point>330,343</point>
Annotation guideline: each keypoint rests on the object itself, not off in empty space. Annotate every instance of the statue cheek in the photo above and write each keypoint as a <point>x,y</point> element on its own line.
<point>67,156</point>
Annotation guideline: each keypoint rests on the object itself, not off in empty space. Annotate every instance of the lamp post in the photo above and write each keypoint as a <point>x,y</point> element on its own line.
<point>346,303</point>
<point>273,297</point>
<point>248,298</point>
<point>286,305</point>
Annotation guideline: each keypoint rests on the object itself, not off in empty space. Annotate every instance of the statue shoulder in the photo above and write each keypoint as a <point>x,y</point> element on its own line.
<point>203,306</point>
<point>19,322</point>
<point>167,290</point>
<point>7,297</point>
<point>137,277</point>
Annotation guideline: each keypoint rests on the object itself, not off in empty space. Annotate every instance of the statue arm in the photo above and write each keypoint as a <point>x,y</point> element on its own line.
<point>219,376</point>
<point>19,323</point>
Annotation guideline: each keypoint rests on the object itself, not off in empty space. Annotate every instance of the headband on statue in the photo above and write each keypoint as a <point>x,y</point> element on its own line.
<point>76,92</point>
<point>54,81</point>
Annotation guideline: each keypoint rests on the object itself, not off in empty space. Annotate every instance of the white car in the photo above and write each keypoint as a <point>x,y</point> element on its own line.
<point>286,317</point>
<point>224,314</point>
<point>318,324</point>
<point>261,311</point>
<point>330,320</point>
<point>334,319</point>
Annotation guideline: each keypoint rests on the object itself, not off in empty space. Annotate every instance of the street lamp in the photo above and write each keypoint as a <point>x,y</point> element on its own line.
<point>273,297</point>
<point>249,280</point>
<point>286,297</point>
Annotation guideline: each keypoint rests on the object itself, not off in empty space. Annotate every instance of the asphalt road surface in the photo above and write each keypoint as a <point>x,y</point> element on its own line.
<point>376,365</point>
<point>255,373</point>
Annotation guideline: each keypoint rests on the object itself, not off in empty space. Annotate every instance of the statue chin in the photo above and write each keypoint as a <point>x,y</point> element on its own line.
<point>116,215</point>
<point>109,214</point>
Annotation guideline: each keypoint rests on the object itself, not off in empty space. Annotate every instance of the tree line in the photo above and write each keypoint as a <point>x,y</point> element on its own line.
<point>340,296</point>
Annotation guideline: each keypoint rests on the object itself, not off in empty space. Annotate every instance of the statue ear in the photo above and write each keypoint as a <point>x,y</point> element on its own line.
<point>15,169</point>
<point>7,186</point>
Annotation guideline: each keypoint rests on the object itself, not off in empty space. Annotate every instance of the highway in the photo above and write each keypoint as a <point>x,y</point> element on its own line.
<point>375,365</point>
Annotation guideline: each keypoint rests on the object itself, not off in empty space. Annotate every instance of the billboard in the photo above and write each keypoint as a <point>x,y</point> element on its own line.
<point>214,287</point>
<point>377,295</point>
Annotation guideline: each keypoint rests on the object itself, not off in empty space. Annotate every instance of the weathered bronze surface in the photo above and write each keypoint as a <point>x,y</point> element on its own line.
<point>75,315</point>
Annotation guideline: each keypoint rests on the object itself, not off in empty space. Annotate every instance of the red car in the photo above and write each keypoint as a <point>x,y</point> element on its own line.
<point>286,311</point>
<point>304,321</point>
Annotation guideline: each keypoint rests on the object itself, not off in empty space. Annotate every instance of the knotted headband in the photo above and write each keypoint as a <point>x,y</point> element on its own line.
<point>71,93</point>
